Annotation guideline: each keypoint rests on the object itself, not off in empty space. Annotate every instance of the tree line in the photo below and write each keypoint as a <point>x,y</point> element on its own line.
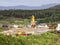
<point>49,15</point>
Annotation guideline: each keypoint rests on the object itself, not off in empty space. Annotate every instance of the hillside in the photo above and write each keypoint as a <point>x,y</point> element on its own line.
<point>46,15</point>
<point>56,7</point>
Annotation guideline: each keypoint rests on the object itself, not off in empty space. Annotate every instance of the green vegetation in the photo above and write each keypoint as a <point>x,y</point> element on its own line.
<point>41,39</point>
<point>24,22</point>
<point>46,15</point>
<point>42,16</point>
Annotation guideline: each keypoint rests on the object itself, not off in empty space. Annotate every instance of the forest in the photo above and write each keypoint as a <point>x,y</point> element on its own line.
<point>45,15</point>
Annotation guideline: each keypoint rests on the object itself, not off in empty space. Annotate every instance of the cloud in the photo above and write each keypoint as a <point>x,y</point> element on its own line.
<point>27,2</point>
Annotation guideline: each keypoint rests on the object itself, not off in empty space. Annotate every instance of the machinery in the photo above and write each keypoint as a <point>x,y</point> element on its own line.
<point>21,33</point>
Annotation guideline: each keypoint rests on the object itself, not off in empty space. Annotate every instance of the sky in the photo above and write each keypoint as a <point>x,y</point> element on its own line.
<point>27,2</point>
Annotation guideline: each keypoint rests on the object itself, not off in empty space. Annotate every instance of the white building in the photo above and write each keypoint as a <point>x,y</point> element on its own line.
<point>15,26</point>
<point>58,27</point>
<point>43,25</point>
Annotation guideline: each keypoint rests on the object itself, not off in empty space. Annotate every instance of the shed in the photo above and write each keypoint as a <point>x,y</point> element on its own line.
<point>58,27</point>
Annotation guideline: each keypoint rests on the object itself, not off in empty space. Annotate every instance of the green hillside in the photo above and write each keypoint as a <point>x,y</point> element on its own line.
<point>47,15</point>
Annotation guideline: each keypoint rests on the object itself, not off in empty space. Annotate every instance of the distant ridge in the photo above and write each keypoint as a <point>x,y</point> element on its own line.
<point>27,7</point>
<point>55,7</point>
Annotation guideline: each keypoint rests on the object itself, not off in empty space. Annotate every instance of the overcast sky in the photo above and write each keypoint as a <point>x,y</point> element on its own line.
<point>27,2</point>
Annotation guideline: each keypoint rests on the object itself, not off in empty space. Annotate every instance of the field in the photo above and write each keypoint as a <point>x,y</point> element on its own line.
<point>41,39</point>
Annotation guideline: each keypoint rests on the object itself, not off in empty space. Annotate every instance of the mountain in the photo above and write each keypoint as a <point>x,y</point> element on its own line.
<point>55,7</point>
<point>27,7</point>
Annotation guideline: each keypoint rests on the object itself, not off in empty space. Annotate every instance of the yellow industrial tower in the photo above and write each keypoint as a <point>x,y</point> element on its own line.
<point>33,21</point>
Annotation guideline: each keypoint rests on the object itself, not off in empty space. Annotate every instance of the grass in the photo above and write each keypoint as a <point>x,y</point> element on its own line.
<point>41,39</point>
<point>24,22</point>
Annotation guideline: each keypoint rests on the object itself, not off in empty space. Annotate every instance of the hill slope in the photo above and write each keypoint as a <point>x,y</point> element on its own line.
<point>55,7</point>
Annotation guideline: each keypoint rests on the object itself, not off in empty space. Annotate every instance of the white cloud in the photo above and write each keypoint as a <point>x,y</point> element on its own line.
<point>27,2</point>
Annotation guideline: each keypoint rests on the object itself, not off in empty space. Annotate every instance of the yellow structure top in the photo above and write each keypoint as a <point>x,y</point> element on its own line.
<point>19,32</point>
<point>33,18</point>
